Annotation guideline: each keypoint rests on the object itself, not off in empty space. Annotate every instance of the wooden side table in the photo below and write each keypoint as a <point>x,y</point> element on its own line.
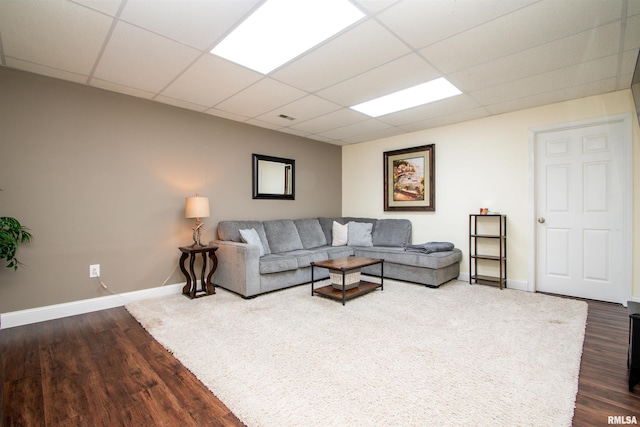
<point>207,286</point>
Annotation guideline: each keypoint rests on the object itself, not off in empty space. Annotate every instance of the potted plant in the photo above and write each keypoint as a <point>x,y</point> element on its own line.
<point>12,234</point>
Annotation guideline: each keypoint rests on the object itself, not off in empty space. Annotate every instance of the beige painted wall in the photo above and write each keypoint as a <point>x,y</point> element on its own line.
<point>101,178</point>
<point>480,163</point>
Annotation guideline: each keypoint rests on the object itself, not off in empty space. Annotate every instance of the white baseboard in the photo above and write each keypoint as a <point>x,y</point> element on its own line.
<point>519,285</point>
<point>57,311</point>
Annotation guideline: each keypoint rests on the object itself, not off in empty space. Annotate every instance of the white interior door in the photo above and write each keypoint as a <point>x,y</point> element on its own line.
<point>580,212</point>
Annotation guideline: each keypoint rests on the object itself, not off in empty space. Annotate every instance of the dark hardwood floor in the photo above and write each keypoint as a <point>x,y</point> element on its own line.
<point>103,369</point>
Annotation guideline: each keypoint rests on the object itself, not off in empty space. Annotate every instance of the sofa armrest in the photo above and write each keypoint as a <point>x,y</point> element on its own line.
<point>238,267</point>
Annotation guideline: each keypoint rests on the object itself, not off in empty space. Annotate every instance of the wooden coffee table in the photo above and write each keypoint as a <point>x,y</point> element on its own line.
<point>347,266</point>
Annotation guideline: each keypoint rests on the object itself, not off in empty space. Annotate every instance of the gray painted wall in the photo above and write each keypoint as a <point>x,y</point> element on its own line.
<point>101,178</point>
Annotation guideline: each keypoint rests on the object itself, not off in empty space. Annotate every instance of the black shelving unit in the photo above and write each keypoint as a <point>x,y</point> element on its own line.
<point>490,232</point>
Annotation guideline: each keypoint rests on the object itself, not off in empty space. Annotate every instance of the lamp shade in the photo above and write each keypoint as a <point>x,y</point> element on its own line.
<point>197,207</point>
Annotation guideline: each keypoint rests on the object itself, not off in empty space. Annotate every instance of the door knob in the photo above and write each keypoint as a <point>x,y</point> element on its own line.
<point>541,220</point>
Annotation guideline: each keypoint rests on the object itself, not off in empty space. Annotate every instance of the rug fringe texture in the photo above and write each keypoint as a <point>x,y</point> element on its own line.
<point>405,356</point>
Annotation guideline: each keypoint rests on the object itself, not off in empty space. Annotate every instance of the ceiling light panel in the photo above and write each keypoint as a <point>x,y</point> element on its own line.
<point>281,30</point>
<point>421,94</point>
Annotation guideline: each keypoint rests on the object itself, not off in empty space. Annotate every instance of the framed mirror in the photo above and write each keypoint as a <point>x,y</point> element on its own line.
<point>274,178</point>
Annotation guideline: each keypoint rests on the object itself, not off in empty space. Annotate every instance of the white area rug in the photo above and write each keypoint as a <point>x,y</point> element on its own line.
<point>405,356</point>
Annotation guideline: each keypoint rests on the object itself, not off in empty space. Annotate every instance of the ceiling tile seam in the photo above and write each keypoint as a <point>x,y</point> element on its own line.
<point>321,133</point>
<point>216,105</point>
<point>413,52</point>
<point>480,24</point>
<point>412,49</point>
<point>114,22</point>
<point>237,23</point>
<point>623,30</point>
<point>314,118</point>
<point>178,75</point>
<point>85,6</point>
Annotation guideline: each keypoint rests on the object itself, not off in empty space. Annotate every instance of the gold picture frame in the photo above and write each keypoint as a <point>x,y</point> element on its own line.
<point>409,179</point>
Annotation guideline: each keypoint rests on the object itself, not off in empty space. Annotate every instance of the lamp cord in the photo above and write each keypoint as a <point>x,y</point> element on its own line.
<point>105,287</point>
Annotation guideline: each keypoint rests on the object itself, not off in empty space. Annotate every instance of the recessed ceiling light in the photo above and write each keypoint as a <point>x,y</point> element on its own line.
<point>280,30</point>
<point>424,93</point>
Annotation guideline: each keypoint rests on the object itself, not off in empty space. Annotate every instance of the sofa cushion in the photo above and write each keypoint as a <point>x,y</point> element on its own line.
<point>230,231</point>
<point>392,232</point>
<point>250,236</point>
<point>340,234</point>
<point>305,257</point>
<point>433,260</point>
<point>282,235</point>
<point>310,232</point>
<point>276,263</point>
<point>359,234</point>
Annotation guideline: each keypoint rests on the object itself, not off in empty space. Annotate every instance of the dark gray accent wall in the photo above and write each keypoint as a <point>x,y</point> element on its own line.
<point>101,178</point>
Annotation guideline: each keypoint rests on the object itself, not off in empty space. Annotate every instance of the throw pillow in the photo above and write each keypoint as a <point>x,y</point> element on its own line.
<point>340,234</point>
<point>251,237</point>
<point>359,234</point>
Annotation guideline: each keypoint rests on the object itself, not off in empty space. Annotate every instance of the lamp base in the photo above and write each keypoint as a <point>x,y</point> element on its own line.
<point>196,236</point>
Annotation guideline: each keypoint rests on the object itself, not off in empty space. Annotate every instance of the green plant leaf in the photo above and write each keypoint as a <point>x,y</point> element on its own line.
<point>12,234</point>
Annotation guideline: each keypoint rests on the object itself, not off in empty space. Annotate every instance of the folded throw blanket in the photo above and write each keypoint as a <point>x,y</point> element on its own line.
<point>427,248</point>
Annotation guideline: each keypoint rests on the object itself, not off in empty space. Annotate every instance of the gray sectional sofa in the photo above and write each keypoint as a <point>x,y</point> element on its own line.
<point>280,252</point>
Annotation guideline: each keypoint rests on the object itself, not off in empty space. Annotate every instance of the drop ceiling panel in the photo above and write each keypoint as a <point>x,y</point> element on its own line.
<point>366,126</point>
<point>399,74</point>
<point>458,116</point>
<point>302,109</point>
<point>141,59</point>
<point>376,6</point>
<point>633,8</point>
<point>546,22</point>
<point>195,23</point>
<point>115,87</point>
<point>339,118</point>
<point>503,54</point>
<point>211,80</point>
<point>632,33</point>
<point>56,34</point>
<point>460,102</point>
<point>445,19</point>
<point>260,98</point>
<point>592,88</point>
<point>345,56</point>
<point>383,133</point>
<point>585,46</point>
<point>109,7</point>
<point>592,71</point>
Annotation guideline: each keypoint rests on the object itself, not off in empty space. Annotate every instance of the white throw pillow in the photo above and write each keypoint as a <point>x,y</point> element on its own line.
<point>250,236</point>
<point>359,234</point>
<point>340,234</point>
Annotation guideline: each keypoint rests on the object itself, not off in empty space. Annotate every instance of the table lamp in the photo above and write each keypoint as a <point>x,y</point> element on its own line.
<point>197,207</point>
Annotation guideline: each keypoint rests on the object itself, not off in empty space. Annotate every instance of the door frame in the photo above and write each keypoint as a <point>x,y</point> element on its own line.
<point>627,194</point>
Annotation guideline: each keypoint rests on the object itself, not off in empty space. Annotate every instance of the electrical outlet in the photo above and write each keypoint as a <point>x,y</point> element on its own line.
<point>94,270</point>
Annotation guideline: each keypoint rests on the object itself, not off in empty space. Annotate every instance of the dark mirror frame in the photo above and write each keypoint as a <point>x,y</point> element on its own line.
<point>256,175</point>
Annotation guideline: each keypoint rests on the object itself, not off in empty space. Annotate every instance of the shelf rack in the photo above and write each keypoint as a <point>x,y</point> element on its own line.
<point>484,229</point>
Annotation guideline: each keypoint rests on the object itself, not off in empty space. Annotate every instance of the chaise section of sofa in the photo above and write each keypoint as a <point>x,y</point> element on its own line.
<point>256,257</point>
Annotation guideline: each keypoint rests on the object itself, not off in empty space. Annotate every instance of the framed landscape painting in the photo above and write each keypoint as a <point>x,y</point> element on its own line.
<point>409,179</point>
